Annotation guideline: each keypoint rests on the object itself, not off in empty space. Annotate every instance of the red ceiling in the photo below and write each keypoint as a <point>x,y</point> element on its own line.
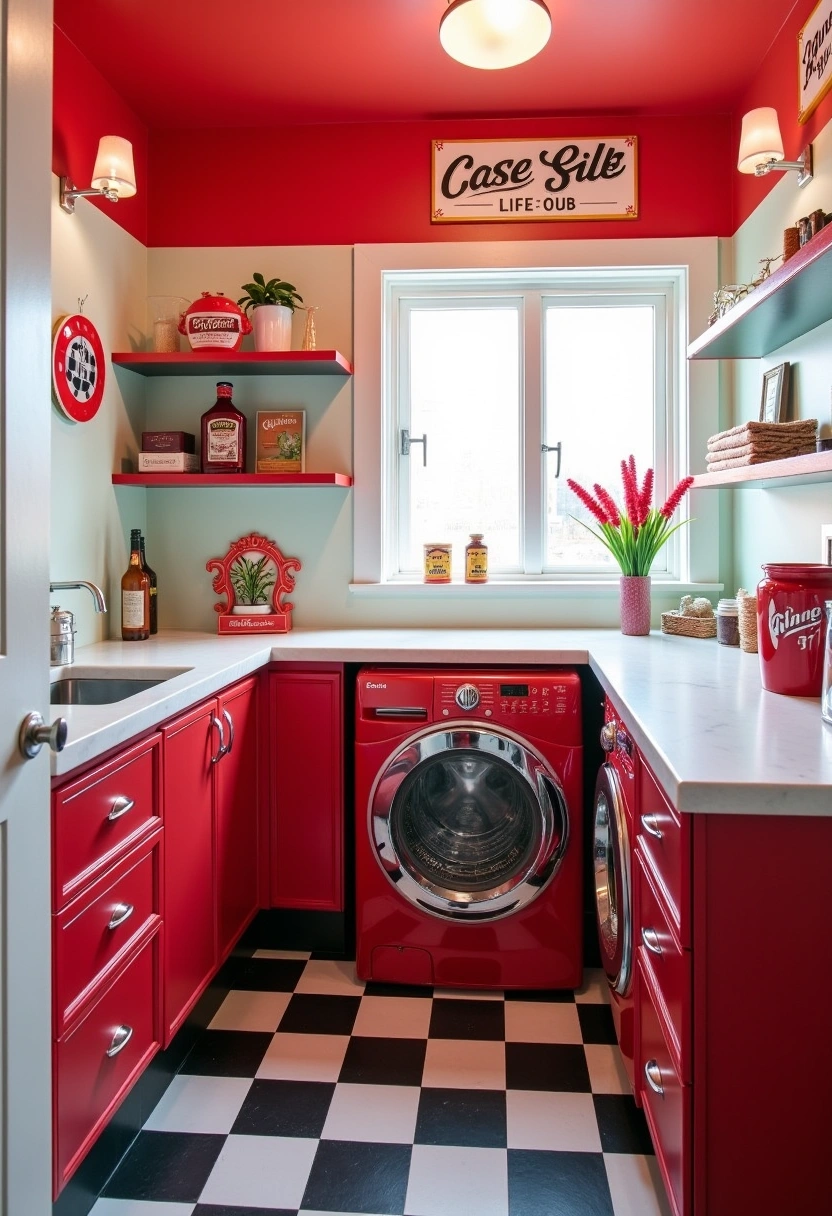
<point>212,63</point>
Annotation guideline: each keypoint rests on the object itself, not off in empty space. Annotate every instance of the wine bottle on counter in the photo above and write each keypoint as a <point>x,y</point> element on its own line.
<point>135,595</point>
<point>154,599</point>
<point>223,435</point>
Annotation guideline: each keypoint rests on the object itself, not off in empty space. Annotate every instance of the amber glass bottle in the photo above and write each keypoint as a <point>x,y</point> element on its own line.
<point>154,599</point>
<point>135,595</point>
<point>476,560</point>
<point>223,435</point>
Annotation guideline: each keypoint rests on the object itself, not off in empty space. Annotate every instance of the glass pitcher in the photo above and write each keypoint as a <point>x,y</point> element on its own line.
<point>826,694</point>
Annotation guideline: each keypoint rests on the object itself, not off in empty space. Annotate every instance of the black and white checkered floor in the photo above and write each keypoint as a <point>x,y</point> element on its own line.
<point>311,1093</point>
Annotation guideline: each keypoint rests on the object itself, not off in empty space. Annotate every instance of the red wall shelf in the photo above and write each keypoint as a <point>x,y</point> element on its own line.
<point>790,302</point>
<point>238,363</point>
<point>231,479</point>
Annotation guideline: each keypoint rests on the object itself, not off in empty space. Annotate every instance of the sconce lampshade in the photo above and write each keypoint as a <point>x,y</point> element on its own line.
<point>114,166</point>
<point>494,33</point>
<point>760,140</point>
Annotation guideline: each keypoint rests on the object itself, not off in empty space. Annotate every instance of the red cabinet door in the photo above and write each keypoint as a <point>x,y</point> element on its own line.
<point>189,886</point>
<point>237,813</point>
<point>307,772</point>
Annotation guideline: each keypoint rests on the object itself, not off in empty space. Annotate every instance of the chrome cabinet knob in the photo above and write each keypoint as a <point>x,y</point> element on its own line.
<point>121,1038</point>
<point>34,732</point>
<point>654,1077</point>
<point>608,736</point>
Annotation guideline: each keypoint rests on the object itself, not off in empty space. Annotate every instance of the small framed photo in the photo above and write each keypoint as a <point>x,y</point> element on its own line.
<point>774,404</point>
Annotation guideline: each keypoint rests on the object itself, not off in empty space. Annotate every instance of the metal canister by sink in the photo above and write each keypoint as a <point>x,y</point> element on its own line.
<point>61,637</point>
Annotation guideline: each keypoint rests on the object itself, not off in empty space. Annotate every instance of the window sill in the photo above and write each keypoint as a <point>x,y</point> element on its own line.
<point>525,589</point>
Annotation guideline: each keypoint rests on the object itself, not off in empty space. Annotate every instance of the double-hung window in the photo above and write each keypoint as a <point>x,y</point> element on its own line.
<point>499,385</point>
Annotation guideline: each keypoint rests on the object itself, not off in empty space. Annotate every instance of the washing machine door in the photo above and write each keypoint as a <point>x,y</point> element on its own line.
<point>611,864</point>
<point>469,822</point>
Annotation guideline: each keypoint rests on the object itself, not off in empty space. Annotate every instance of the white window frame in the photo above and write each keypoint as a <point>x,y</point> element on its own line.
<point>690,264</point>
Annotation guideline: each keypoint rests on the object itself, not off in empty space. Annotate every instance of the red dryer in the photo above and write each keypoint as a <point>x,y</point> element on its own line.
<point>612,844</point>
<point>468,832</point>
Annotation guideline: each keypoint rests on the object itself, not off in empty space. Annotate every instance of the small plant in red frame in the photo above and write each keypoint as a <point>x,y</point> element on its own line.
<point>254,576</point>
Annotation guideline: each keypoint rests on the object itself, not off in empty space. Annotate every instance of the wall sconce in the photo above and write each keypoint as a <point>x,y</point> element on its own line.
<point>112,178</point>
<point>494,33</point>
<point>761,147</point>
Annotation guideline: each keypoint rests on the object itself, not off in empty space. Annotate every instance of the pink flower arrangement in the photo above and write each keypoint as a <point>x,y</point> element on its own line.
<point>634,535</point>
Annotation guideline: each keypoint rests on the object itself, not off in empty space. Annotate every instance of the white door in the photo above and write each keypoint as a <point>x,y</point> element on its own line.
<point>25,318</point>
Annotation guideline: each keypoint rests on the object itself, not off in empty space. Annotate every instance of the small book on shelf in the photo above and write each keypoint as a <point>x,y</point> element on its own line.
<point>281,441</point>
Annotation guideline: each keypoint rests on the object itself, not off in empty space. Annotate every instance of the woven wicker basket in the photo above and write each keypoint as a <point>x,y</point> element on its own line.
<point>689,626</point>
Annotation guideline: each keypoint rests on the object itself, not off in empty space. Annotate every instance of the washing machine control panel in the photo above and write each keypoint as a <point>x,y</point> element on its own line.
<point>505,700</point>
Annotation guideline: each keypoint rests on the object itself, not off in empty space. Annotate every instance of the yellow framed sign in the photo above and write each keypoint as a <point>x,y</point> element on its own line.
<point>814,59</point>
<point>534,179</point>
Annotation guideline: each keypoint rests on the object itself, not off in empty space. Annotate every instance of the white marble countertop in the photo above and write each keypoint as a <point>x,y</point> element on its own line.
<point>716,741</point>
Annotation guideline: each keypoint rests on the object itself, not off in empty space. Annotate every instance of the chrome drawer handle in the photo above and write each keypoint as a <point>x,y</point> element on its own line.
<point>121,913</point>
<point>120,807</point>
<point>651,940</point>
<point>221,750</point>
<point>654,1077</point>
<point>651,826</point>
<point>230,722</point>
<point>120,1040</point>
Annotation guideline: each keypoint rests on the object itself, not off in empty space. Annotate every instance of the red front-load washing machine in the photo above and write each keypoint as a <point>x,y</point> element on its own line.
<point>612,844</point>
<point>468,836</point>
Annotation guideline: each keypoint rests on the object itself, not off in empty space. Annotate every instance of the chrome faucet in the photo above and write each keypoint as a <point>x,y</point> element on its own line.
<point>96,592</point>
<point>62,624</point>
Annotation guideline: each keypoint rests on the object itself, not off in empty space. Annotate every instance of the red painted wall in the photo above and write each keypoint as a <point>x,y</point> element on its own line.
<point>351,183</point>
<point>776,84</point>
<point>85,107</point>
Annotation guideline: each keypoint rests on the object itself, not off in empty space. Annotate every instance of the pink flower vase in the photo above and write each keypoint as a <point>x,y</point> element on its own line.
<point>634,593</point>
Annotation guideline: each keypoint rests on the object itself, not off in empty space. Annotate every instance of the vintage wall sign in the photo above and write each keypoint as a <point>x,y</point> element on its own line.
<point>535,179</point>
<point>814,59</point>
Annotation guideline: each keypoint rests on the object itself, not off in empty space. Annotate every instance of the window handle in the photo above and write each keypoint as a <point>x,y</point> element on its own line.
<point>544,447</point>
<point>407,443</point>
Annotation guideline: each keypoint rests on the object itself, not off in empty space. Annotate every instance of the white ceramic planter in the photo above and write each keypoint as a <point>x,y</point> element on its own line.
<point>251,609</point>
<point>272,327</point>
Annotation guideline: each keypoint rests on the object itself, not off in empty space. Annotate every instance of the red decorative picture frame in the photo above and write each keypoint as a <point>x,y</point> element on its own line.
<point>254,576</point>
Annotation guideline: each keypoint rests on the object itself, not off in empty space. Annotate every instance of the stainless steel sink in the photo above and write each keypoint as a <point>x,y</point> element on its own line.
<point>81,690</point>
<point>91,687</point>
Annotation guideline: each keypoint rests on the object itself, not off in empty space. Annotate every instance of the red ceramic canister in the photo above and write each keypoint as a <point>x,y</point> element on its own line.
<point>790,627</point>
<point>214,323</point>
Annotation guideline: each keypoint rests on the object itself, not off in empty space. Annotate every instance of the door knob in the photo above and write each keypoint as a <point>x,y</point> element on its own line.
<point>34,732</point>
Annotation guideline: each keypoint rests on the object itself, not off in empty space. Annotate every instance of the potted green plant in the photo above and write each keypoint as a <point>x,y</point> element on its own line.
<point>252,580</point>
<point>273,303</point>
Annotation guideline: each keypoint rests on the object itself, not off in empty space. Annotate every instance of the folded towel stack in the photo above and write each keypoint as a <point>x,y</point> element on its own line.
<point>757,442</point>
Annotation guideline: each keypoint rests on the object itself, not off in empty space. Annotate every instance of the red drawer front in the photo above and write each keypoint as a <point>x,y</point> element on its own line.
<point>666,842</point>
<point>661,954</point>
<point>88,1084</point>
<point>93,819</point>
<point>99,926</point>
<point>668,1113</point>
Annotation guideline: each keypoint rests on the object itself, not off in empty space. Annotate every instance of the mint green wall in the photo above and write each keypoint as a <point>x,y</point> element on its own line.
<point>783,524</point>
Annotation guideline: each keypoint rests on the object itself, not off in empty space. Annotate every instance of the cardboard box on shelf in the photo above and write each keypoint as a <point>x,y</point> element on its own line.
<point>281,441</point>
<point>168,462</point>
<point>168,441</point>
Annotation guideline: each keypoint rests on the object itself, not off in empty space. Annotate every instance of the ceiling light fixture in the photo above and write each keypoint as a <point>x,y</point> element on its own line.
<point>494,33</point>
<point>761,147</point>
<point>112,178</point>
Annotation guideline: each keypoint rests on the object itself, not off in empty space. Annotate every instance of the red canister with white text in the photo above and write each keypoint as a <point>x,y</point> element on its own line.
<point>790,627</point>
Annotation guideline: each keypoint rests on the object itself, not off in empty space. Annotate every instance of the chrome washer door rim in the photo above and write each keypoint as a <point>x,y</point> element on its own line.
<point>542,784</point>
<point>613,898</point>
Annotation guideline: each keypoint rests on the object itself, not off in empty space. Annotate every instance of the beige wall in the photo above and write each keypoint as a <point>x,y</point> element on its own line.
<point>93,257</point>
<point>783,524</point>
